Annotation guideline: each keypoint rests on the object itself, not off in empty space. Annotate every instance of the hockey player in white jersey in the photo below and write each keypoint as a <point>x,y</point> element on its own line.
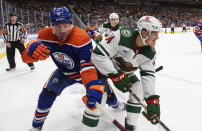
<point>107,28</point>
<point>123,52</point>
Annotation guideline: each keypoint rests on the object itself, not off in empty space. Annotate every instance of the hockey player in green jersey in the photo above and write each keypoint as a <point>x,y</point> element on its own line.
<point>123,52</point>
<point>107,28</point>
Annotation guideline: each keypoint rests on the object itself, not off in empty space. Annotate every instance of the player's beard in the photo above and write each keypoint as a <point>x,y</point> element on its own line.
<point>62,32</point>
<point>62,36</point>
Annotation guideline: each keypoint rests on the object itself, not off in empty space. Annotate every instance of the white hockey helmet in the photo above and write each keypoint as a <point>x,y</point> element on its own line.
<point>149,23</point>
<point>113,16</point>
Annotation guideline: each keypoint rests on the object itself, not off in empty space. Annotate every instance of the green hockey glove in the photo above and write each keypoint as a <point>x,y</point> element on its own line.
<point>153,108</point>
<point>120,80</point>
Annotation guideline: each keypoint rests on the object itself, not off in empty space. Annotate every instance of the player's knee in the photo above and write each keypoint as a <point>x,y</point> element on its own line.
<point>46,99</point>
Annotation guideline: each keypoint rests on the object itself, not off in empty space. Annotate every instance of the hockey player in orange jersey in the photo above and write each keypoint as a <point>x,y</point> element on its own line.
<point>70,48</point>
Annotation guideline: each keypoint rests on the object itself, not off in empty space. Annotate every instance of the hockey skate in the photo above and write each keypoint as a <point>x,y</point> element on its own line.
<point>129,127</point>
<point>32,67</point>
<point>120,105</point>
<point>10,69</point>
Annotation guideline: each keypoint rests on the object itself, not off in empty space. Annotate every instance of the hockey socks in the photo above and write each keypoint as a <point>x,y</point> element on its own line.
<point>46,99</point>
<point>133,112</point>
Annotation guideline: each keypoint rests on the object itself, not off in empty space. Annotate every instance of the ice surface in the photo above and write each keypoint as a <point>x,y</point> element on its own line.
<point>179,84</point>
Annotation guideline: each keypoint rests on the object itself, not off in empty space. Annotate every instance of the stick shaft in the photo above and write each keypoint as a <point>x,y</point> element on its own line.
<point>138,99</point>
<point>110,117</point>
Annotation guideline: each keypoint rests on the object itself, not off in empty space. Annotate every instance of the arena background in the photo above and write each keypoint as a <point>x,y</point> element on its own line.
<point>179,83</point>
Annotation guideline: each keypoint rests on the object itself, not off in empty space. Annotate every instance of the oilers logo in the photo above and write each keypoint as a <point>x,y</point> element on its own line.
<point>64,60</point>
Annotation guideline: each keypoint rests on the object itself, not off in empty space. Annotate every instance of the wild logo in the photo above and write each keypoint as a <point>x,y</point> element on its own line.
<point>125,66</point>
<point>126,33</point>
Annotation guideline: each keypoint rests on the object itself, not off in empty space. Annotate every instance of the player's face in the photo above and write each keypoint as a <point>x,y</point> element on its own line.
<point>62,31</point>
<point>62,28</point>
<point>151,40</point>
<point>114,22</point>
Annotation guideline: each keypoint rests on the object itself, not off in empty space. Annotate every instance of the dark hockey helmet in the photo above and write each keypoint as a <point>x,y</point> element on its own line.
<point>60,16</point>
<point>13,14</point>
<point>199,24</point>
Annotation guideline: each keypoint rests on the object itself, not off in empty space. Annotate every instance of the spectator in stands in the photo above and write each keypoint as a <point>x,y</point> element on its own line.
<point>96,12</point>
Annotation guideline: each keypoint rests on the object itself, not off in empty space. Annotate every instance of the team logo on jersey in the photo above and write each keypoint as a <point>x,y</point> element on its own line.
<point>126,33</point>
<point>55,80</point>
<point>64,60</point>
<point>124,65</point>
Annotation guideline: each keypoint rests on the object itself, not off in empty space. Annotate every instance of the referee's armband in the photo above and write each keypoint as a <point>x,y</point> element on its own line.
<point>3,32</point>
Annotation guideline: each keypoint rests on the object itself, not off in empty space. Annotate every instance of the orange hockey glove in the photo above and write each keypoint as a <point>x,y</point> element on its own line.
<point>41,52</point>
<point>38,50</point>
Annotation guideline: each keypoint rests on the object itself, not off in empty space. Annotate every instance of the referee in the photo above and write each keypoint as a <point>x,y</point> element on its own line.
<point>14,36</point>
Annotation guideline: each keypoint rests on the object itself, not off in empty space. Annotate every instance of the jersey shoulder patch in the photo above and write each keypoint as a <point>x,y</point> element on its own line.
<point>126,31</point>
<point>127,37</point>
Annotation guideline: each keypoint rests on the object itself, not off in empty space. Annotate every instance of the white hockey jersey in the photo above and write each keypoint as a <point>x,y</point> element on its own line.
<point>107,29</point>
<point>119,52</point>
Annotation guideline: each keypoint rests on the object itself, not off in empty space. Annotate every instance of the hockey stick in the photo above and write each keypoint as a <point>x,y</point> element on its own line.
<point>144,106</point>
<point>159,69</point>
<point>113,120</point>
<point>110,117</point>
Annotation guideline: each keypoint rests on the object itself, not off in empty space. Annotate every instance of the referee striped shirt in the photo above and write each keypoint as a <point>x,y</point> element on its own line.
<point>14,32</point>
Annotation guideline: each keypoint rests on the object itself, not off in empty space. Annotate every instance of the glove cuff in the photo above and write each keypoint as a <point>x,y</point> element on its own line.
<point>117,77</point>
<point>153,99</point>
<point>97,85</point>
<point>32,46</point>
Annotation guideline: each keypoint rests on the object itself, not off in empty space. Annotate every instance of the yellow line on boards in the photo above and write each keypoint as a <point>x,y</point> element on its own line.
<point>2,55</point>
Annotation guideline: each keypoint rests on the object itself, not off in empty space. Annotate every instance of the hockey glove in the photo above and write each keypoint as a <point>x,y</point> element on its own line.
<point>38,50</point>
<point>153,108</point>
<point>94,90</point>
<point>112,99</point>
<point>120,80</point>
<point>98,39</point>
